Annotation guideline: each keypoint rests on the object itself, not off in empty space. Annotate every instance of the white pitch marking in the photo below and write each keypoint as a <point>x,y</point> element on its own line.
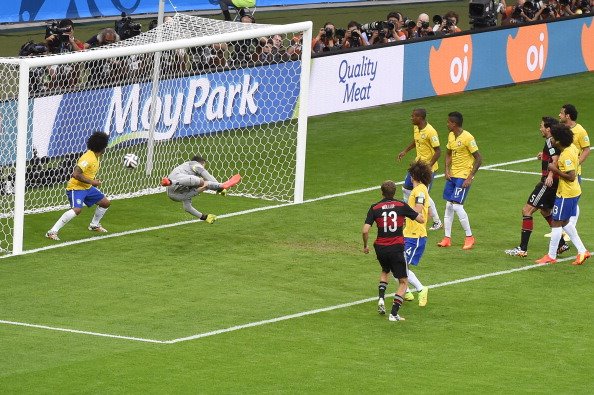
<point>53,328</point>
<point>254,210</point>
<point>269,321</point>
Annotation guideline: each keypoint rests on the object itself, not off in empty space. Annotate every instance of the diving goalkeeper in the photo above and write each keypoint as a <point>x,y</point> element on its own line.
<point>190,179</point>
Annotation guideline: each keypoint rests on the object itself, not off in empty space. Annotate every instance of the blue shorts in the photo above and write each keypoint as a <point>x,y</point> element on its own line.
<point>565,208</point>
<point>413,249</point>
<point>453,191</point>
<point>89,197</point>
<point>408,184</point>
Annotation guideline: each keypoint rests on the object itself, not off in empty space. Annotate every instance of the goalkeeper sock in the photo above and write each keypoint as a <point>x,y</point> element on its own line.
<point>382,289</point>
<point>99,213</point>
<point>64,219</point>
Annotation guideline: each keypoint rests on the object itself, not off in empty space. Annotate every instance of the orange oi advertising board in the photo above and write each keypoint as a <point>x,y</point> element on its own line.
<point>451,64</point>
<point>588,45</point>
<point>527,53</point>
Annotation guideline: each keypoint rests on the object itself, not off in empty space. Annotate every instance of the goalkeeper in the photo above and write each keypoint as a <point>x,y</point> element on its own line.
<point>190,179</point>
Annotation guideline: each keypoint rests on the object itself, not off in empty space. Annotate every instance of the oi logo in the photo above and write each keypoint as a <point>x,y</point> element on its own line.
<point>451,64</point>
<point>527,53</point>
<point>588,45</point>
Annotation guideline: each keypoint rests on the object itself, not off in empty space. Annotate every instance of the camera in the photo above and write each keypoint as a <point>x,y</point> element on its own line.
<point>564,2</point>
<point>355,35</point>
<point>328,32</point>
<point>126,27</point>
<point>410,24</point>
<point>424,25</point>
<point>31,48</point>
<point>378,25</point>
<point>340,33</point>
<point>62,32</point>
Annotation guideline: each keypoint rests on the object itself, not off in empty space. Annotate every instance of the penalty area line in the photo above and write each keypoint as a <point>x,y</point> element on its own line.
<point>350,304</point>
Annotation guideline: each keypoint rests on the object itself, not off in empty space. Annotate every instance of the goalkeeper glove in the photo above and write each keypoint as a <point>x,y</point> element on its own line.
<point>222,192</point>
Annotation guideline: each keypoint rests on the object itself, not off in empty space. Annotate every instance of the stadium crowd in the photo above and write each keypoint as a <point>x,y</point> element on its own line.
<point>482,14</point>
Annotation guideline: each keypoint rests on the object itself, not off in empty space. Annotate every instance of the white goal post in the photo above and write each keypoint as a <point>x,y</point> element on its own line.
<point>235,93</point>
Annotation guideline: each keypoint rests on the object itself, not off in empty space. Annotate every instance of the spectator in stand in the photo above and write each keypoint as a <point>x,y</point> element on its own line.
<point>325,40</point>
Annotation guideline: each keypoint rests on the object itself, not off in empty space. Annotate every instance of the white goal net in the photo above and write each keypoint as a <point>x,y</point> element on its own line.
<point>231,92</point>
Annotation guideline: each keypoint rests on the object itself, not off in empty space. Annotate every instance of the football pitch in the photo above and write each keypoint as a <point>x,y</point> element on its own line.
<point>279,298</point>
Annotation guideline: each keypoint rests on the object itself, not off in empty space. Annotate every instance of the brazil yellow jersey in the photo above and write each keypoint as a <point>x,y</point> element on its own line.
<point>418,195</point>
<point>568,161</point>
<point>462,148</point>
<point>580,140</point>
<point>426,140</point>
<point>89,164</point>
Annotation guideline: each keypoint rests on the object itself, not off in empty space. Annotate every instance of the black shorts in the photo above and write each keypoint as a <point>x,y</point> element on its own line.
<point>391,259</point>
<point>543,196</point>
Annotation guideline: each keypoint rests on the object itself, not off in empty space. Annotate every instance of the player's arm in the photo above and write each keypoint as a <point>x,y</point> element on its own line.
<point>549,179</point>
<point>405,150</point>
<point>77,174</point>
<point>478,160</point>
<point>448,164</point>
<point>365,233</point>
<point>435,156</point>
<point>584,154</point>
<point>569,175</point>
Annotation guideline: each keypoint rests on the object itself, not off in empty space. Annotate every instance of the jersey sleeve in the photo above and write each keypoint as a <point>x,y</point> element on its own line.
<point>584,141</point>
<point>471,145</point>
<point>434,139</point>
<point>83,163</point>
<point>420,198</point>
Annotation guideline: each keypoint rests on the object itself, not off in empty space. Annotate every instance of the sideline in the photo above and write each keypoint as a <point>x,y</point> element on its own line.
<point>250,211</point>
<point>272,320</point>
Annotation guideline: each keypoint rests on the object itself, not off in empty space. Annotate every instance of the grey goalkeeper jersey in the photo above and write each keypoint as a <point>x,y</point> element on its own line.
<point>190,168</point>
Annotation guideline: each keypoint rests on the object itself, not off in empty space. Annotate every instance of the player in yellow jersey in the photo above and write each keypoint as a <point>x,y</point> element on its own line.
<point>568,196</point>
<point>415,233</point>
<point>82,187</point>
<point>568,115</point>
<point>462,161</point>
<point>426,142</point>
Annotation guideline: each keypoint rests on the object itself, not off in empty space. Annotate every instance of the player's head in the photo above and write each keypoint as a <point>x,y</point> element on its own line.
<point>389,189</point>
<point>421,172</point>
<point>97,142</point>
<point>455,119</point>
<point>418,116</point>
<point>562,135</point>
<point>199,159</point>
<point>545,125</point>
<point>568,111</point>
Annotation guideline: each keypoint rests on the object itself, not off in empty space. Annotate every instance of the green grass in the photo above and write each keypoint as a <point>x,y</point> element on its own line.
<point>527,331</point>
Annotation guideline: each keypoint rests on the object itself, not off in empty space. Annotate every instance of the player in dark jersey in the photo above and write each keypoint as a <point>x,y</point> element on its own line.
<point>389,215</point>
<point>543,196</point>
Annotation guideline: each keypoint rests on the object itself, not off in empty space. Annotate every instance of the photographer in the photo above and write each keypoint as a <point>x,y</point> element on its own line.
<point>449,23</point>
<point>325,40</point>
<point>101,71</point>
<point>105,37</point>
<point>423,27</point>
<point>37,75</point>
<point>354,36</point>
<point>396,19</point>
<point>126,27</point>
<point>59,37</point>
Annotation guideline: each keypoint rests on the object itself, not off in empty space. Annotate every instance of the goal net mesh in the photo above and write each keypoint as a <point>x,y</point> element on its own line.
<point>235,103</point>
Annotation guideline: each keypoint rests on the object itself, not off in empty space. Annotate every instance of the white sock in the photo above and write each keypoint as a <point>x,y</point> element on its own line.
<point>433,211</point>
<point>99,213</point>
<point>575,238</point>
<point>64,219</point>
<point>448,219</point>
<point>554,243</point>
<point>406,194</point>
<point>573,220</point>
<point>412,279</point>
<point>463,217</point>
